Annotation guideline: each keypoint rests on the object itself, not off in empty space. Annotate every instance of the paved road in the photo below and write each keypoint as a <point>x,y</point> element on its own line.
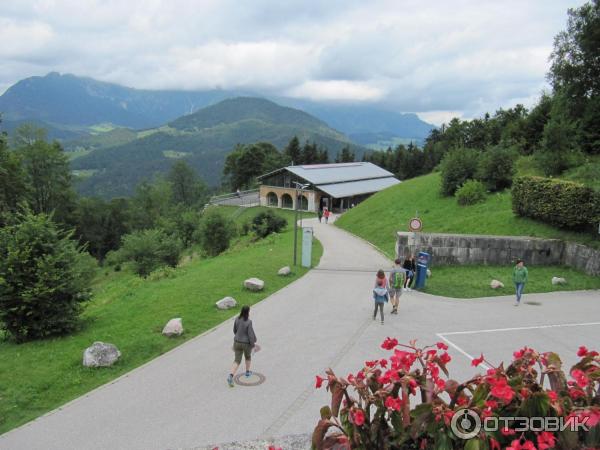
<point>181,399</point>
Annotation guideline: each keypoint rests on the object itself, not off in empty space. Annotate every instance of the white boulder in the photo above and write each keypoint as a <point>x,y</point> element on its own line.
<point>174,327</point>
<point>557,280</point>
<point>284,271</point>
<point>254,284</point>
<point>226,303</point>
<point>495,284</point>
<point>100,354</point>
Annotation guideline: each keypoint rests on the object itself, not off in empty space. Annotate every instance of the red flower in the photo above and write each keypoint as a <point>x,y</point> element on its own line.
<point>501,389</point>
<point>441,384</point>
<point>545,440</point>
<point>319,381</point>
<point>358,417</point>
<point>462,400</point>
<point>524,393</point>
<point>516,445</point>
<point>389,343</point>
<point>476,361</point>
<point>552,395</point>
<point>580,378</point>
<point>507,431</point>
<point>445,358</point>
<point>272,447</point>
<point>491,403</point>
<point>393,403</point>
<point>494,444</point>
<point>371,364</point>
<point>576,393</point>
<point>442,346</point>
<point>583,351</point>
<point>383,363</point>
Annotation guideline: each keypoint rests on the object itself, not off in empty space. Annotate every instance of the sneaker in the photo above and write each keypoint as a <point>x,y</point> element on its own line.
<point>517,303</point>
<point>230,380</point>
<point>248,373</point>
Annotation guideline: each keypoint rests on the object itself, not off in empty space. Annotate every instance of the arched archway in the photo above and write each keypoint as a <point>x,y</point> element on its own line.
<point>303,203</point>
<point>287,201</point>
<point>272,199</point>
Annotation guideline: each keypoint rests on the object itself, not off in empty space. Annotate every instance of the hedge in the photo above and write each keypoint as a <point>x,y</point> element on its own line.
<point>564,204</point>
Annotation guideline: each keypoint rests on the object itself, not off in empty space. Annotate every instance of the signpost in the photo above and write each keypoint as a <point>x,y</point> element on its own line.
<point>415,225</point>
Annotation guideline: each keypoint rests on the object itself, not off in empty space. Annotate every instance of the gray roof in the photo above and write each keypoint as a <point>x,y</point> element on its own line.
<point>348,189</point>
<point>317,174</point>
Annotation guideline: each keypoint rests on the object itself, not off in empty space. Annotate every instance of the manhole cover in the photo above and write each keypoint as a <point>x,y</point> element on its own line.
<point>254,379</point>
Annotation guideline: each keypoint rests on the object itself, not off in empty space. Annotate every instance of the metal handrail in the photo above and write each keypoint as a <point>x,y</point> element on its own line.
<point>232,195</point>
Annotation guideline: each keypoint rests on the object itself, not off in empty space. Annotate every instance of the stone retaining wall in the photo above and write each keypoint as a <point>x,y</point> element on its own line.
<point>449,249</point>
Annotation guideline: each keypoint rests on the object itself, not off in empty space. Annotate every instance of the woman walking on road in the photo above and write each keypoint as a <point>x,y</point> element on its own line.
<point>243,341</point>
<point>519,278</point>
<point>411,268</point>
<point>326,214</point>
<point>380,294</point>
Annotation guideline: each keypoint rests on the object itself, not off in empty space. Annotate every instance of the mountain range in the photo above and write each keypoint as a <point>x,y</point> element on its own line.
<point>119,135</point>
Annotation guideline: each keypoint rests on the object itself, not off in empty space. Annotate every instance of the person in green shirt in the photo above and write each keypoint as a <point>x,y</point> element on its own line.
<point>519,278</point>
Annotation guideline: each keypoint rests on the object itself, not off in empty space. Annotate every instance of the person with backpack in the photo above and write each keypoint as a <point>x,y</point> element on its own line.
<point>380,293</point>
<point>243,341</point>
<point>520,275</point>
<point>396,283</point>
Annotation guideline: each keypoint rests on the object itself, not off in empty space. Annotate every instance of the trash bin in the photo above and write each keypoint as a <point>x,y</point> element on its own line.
<point>423,260</point>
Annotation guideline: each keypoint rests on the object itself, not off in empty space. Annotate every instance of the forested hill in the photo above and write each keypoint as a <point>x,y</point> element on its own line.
<point>203,139</point>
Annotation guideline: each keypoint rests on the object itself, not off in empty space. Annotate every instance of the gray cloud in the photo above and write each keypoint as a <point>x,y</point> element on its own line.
<point>464,57</point>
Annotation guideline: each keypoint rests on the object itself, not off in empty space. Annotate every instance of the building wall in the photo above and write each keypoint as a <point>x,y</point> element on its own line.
<point>280,191</point>
<point>447,249</point>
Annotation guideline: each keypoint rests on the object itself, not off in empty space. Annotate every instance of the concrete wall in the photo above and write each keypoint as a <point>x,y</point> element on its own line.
<point>449,249</point>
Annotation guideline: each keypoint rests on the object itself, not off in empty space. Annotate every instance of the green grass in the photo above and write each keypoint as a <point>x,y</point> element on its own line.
<point>130,312</point>
<point>378,218</point>
<point>474,281</point>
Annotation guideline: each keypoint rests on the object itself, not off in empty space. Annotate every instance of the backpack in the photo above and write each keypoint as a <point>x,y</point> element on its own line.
<point>397,280</point>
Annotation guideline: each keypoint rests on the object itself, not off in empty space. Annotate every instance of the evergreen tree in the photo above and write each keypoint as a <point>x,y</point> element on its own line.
<point>292,152</point>
<point>310,153</point>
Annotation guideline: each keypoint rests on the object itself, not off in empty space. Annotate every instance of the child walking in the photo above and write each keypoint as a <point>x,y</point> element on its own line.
<point>380,294</point>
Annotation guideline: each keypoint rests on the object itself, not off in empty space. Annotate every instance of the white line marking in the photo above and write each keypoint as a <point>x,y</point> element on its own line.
<point>457,348</point>
<point>521,328</point>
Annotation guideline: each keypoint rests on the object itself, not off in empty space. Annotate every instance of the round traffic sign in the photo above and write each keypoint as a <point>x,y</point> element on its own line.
<point>415,224</point>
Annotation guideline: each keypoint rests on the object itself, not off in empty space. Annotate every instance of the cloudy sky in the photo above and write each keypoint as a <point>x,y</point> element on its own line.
<point>436,58</point>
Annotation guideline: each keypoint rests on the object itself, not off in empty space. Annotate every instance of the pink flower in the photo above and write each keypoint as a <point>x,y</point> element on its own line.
<point>442,346</point>
<point>445,358</point>
<point>319,381</point>
<point>583,351</point>
<point>441,384</point>
<point>552,395</point>
<point>476,361</point>
<point>383,363</point>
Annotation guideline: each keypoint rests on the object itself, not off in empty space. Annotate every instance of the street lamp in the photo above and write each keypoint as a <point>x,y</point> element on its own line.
<point>301,187</point>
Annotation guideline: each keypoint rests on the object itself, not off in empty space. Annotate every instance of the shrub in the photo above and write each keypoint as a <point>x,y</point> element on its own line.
<point>496,168</point>
<point>458,166</point>
<point>471,192</point>
<point>162,273</point>
<point>560,203</point>
<point>215,232</point>
<point>44,278</point>
<point>267,222</point>
<point>151,249</point>
<point>404,402</point>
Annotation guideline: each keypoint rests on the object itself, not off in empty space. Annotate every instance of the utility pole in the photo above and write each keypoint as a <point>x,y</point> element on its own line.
<point>298,200</point>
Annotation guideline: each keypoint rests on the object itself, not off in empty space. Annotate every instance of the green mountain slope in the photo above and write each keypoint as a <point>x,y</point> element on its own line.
<point>204,139</point>
<point>379,218</point>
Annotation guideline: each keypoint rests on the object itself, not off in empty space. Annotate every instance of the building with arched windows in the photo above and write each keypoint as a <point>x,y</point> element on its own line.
<point>335,186</point>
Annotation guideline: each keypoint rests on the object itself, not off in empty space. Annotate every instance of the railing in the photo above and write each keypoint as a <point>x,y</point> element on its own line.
<point>243,198</point>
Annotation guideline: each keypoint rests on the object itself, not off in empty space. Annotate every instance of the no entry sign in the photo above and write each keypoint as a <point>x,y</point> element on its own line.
<point>415,224</point>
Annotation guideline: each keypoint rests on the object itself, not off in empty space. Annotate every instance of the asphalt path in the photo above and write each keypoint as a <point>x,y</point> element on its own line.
<point>181,400</point>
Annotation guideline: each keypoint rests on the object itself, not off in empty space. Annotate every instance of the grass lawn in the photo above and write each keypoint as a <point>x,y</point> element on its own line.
<point>474,281</point>
<point>378,218</point>
<point>130,312</point>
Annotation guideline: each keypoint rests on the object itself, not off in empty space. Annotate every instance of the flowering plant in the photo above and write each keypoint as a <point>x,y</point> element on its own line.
<point>407,401</point>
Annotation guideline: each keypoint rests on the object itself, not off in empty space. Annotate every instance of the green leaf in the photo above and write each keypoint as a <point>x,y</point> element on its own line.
<point>536,405</point>
<point>480,395</point>
<point>472,444</point>
<point>442,441</point>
